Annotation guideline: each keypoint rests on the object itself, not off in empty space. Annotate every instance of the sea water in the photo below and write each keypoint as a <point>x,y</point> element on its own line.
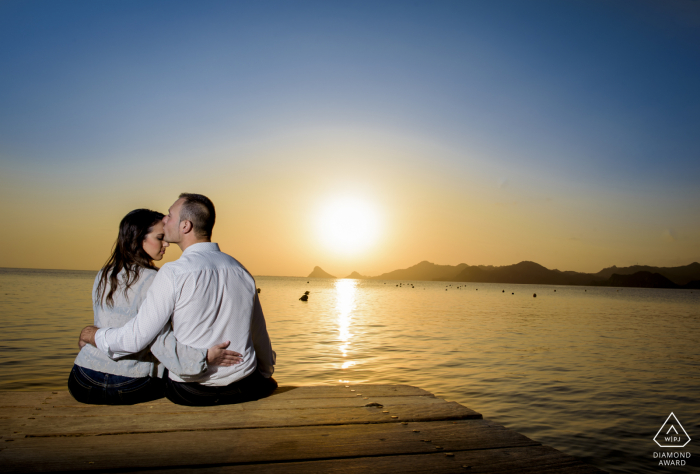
<point>593,372</point>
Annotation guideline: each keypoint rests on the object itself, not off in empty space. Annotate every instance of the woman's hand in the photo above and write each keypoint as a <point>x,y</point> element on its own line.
<point>218,355</point>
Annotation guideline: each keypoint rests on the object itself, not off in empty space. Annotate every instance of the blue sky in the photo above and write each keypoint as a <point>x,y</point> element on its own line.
<point>580,101</point>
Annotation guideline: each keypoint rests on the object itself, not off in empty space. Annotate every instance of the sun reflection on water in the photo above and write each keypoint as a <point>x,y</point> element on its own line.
<point>345,304</point>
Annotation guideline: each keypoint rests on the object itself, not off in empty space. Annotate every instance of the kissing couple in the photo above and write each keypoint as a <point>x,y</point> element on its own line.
<point>168,332</point>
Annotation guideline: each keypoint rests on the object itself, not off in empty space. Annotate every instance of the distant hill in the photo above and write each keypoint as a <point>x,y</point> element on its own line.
<point>424,271</point>
<point>646,280</point>
<point>687,276</point>
<point>523,272</point>
<point>639,280</point>
<point>319,273</point>
<point>355,276</point>
<point>678,275</point>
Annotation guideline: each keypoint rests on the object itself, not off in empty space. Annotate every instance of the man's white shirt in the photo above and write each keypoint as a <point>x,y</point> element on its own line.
<point>209,298</point>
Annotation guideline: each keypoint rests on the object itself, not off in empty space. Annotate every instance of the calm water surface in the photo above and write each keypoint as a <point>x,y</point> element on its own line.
<point>593,372</point>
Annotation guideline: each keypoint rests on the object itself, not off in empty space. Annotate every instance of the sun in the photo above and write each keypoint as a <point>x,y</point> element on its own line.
<point>348,225</point>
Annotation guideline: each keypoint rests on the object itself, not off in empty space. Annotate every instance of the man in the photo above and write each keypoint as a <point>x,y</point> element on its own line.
<point>208,297</point>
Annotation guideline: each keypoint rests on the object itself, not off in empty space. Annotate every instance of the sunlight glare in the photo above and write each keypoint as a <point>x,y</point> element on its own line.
<point>348,225</point>
<point>345,304</point>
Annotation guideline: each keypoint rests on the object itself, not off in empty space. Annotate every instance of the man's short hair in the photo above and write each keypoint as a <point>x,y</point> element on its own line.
<point>199,210</point>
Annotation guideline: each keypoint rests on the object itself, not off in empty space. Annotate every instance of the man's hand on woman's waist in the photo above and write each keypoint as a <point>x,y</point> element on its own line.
<point>87,336</point>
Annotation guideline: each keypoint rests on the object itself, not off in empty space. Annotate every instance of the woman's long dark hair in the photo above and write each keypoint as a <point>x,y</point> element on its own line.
<point>127,254</point>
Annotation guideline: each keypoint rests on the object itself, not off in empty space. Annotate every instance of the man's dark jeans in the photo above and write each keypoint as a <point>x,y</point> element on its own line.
<point>97,388</point>
<point>252,387</point>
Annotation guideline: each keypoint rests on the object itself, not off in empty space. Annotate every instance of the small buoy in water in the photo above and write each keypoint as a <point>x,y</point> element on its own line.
<point>512,293</point>
<point>307,282</point>
<point>555,291</point>
<point>258,290</point>
<point>503,291</point>
<point>534,295</point>
<point>304,297</point>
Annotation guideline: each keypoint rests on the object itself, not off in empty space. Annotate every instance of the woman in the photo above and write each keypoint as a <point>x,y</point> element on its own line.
<point>119,289</point>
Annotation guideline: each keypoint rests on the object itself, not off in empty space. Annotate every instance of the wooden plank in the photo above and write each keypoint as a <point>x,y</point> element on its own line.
<point>21,409</point>
<point>207,448</point>
<point>357,390</point>
<point>266,404</point>
<point>15,427</point>
<point>63,397</point>
<point>27,399</point>
<point>527,459</point>
<point>94,419</point>
<point>49,425</point>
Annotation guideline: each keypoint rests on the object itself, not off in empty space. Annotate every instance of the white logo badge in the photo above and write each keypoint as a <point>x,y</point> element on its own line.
<point>672,434</point>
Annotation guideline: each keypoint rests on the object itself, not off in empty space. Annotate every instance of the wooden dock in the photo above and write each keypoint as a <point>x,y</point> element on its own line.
<point>339,429</point>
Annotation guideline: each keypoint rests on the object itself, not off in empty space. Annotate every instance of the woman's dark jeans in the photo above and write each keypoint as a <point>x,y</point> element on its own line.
<point>97,388</point>
<point>252,387</point>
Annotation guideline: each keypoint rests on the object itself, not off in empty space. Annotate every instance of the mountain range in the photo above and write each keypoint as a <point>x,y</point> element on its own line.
<point>687,276</point>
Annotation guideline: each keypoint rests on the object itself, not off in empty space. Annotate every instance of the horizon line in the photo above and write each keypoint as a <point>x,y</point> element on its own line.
<point>369,277</point>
